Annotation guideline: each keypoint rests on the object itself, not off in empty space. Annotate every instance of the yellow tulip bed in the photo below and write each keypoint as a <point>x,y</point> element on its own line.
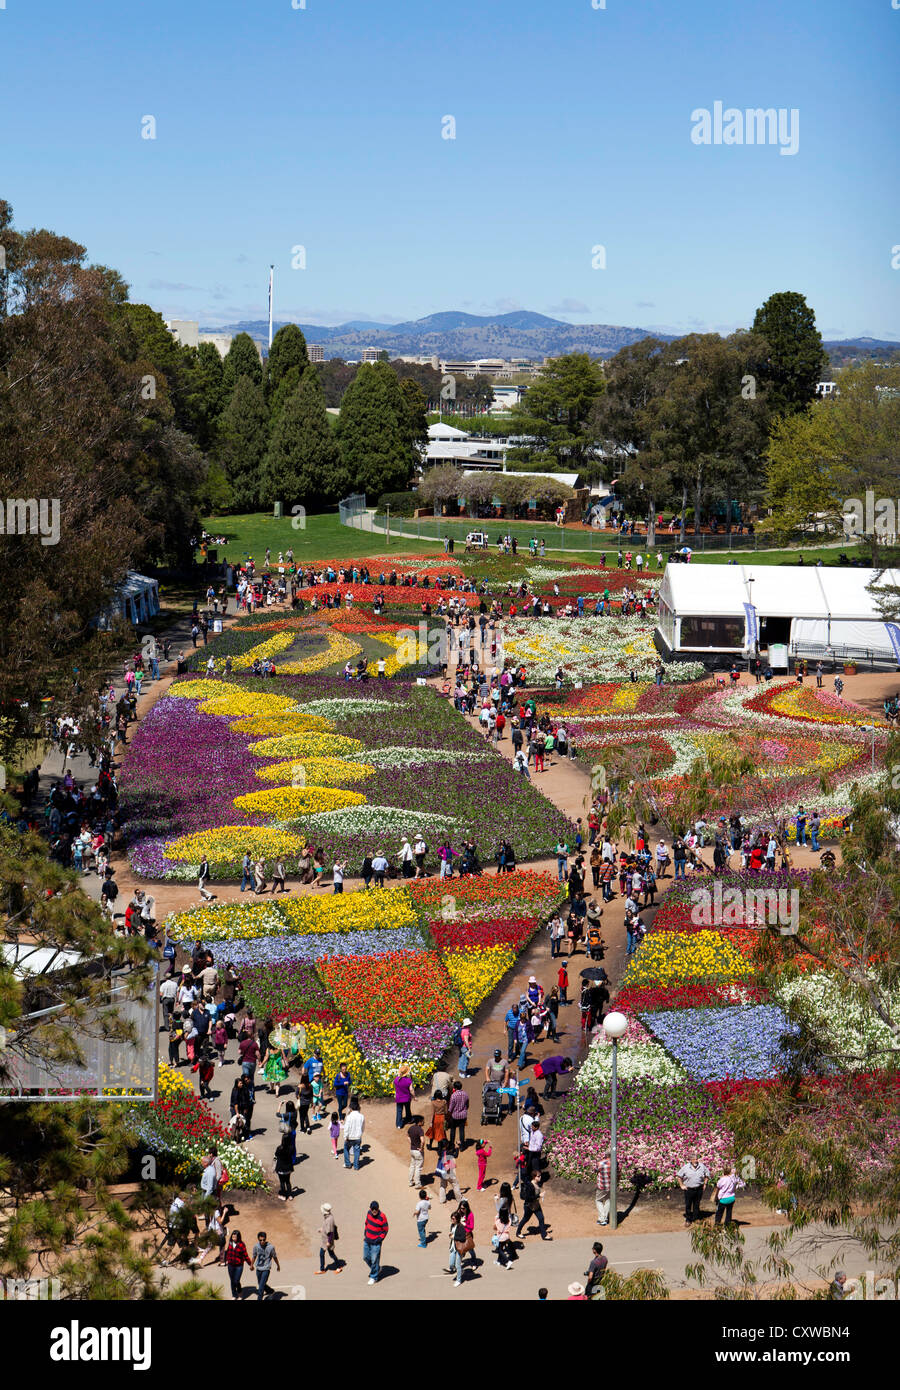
<point>287,722</point>
<point>476,973</point>
<point>306,745</point>
<point>666,958</point>
<point>291,803</point>
<point>226,844</point>
<point>323,772</point>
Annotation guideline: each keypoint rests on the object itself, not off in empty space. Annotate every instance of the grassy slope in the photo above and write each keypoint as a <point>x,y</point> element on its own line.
<point>324,538</point>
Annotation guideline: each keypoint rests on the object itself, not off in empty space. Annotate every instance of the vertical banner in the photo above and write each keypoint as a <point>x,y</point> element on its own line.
<point>752,625</point>
<point>893,632</point>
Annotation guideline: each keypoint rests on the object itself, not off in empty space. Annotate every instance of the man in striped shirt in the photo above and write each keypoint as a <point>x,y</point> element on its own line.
<point>373,1239</point>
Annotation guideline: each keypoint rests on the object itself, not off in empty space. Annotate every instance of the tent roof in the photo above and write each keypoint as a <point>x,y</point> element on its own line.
<point>776,591</point>
<point>135,583</point>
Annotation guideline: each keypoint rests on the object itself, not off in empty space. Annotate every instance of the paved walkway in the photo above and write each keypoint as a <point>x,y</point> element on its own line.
<point>650,1234</point>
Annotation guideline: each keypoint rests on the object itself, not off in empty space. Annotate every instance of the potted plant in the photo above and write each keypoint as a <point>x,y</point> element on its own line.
<point>849,668</point>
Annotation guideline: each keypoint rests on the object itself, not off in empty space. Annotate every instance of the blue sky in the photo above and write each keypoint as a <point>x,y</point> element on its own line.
<point>321,127</point>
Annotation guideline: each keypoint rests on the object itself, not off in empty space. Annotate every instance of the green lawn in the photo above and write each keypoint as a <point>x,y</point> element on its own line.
<point>324,538</point>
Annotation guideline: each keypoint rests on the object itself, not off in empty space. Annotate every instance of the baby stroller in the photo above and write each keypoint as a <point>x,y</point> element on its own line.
<point>491,1103</point>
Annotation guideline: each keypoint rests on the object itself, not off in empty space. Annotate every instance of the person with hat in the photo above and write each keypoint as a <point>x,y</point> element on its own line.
<point>328,1234</point>
<point>465,1047</point>
<point>577,1293</point>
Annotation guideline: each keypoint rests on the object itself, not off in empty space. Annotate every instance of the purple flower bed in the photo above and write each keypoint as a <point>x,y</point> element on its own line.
<point>402,1044</point>
<point>184,770</point>
<point>743,1042</point>
<point>273,950</point>
<point>290,989</point>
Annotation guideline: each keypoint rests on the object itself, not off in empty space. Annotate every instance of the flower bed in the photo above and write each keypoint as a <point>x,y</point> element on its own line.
<point>401,988</point>
<point>182,1125</point>
<point>291,990</point>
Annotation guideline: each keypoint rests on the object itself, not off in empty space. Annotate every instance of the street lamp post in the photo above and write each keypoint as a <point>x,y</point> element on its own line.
<point>615,1026</point>
<point>871,729</point>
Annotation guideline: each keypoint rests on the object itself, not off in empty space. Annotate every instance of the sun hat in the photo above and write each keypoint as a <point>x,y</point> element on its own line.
<point>326,1207</point>
<point>576,1290</point>
<point>467,1022</point>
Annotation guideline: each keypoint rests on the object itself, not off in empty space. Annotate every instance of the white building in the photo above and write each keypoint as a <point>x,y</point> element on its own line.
<point>710,610</point>
<point>446,444</point>
<point>185,332</point>
<point>315,352</point>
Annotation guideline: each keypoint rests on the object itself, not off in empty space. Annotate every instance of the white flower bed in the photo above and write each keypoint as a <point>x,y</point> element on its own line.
<point>589,649</point>
<point>382,820</point>
<point>856,1036</point>
<point>637,1062</point>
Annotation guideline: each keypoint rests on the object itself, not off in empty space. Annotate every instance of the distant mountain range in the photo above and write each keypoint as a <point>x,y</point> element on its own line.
<point>522,333</point>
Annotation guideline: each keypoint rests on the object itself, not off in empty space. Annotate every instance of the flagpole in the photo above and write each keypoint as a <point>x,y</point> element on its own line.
<point>271,296</point>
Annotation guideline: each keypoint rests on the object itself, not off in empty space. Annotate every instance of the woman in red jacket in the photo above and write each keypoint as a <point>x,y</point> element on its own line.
<point>235,1258</point>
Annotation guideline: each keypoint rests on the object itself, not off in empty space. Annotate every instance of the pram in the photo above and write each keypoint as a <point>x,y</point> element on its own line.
<point>491,1103</point>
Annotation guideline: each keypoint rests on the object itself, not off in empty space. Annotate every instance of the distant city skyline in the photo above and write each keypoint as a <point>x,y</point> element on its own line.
<point>603,166</point>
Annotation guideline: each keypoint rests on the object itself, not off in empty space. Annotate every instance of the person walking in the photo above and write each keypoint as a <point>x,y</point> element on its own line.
<point>531,1207</point>
<point>374,1236</point>
<point>457,1114</point>
<point>341,1087</point>
<point>692,1178</point>
<point>421,1213</point>
<point>328,1235</point>
<point>416,1136</point>
<point>354,1127</point>
<point>483,1152</point>
<point>235,1258</point>
<point>448,1176</point>
<point>404,1091</point>
<point>284,1167</point>
<point>264,1256</point>
<point>727,1188</point>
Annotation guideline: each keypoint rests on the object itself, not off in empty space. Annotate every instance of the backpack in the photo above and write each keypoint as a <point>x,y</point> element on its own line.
<point>457,1036</point>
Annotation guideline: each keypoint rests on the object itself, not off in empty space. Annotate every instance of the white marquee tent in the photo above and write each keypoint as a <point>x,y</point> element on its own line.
<point>726,608</point>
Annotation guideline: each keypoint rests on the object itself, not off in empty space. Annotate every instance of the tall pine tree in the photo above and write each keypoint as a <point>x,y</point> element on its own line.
<point>374,432</point>
<point>242,359</point>
<point>288,351</point>
<point>242,437</point>
<point>303,462</point>
<point>796,355</point>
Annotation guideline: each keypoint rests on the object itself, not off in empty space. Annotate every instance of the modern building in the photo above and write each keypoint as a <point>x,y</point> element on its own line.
<point>446,444</point>
<point>744,610</point>
<point>371,354</point>
<point>316,352</point>
<point>185,332</point>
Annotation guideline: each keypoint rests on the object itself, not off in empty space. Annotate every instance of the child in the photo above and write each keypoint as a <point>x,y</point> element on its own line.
<point>421,1212</point>
<point>207,1071</point>
<point>175,1036</point>
<point>334,1134</point>
<point>318,1100</point>
<point>521,1164</point>
<point>483,1152</point>
<point>563,982</point>
<point>220,1037</point>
